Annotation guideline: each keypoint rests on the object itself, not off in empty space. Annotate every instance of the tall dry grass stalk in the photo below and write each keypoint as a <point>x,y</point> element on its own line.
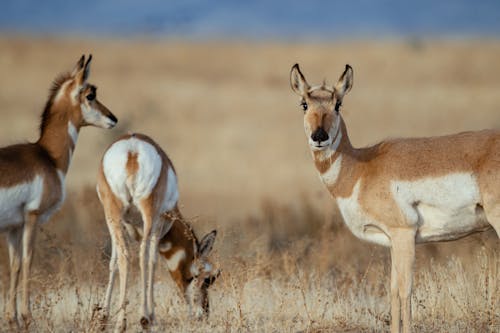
<point>293,277</point>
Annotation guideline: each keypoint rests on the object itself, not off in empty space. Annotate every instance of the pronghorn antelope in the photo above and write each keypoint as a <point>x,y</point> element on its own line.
<point>403,191</point>
<point>32,175</point>
<point>137,178</point>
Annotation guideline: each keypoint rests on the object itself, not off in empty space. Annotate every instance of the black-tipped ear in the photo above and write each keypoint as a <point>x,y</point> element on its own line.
<point>298,81</point>
<point>344,84</point>
<point>207,243</point>
<point>86,71</point>
<point>78,66</point>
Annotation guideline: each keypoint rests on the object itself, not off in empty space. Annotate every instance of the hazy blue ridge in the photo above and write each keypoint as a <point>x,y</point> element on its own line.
<point>280,19</point>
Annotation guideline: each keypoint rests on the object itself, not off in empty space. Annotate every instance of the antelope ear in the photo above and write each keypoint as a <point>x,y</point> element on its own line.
<point>82,70</point>
<point>207,244</point>
<point>298,81</point>
<point>344,84</point>
<point>79,66</point>
<point>86,68</point>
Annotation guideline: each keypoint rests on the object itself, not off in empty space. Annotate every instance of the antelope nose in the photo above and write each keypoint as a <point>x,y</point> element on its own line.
<point>113,118</point>
<point>319,135</point>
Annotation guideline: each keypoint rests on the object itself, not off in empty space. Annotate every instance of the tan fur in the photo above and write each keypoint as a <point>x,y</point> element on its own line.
<point>403,160</point>
<point>158,228</point>
<point>132,164</point>
<point>181,236</point>
<point>48,158</point>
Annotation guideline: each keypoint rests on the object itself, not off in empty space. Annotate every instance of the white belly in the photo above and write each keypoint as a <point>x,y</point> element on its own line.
<point>442,208</point>
<point>439,224</point>
<point>18,199</point>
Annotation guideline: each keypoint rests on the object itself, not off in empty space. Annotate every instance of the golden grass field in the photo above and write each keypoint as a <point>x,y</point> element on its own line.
<point>225,114</point>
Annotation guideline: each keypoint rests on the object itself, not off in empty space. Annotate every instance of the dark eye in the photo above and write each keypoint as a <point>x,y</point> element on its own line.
<point>90,97</point>
<point>303,105</point>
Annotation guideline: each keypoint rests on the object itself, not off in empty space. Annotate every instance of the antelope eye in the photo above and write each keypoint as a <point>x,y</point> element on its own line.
<point>303,105</point>
<point>90,97</point>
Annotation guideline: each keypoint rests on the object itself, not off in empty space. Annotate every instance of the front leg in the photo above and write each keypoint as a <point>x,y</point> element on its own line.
<point>28,245</point>
<point>403,260</point>
<point>14,244</point>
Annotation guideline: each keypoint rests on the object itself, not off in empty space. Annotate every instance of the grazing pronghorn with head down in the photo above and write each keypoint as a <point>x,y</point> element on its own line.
<point>137,177</point>
<point>32,175</point>
<point>403,191</point>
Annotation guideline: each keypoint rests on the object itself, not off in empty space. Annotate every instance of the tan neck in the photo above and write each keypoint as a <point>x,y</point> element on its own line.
<point>57,140</point>
<point>339,164</point>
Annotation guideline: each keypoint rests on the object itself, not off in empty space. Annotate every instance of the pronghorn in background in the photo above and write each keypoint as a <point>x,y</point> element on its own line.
<point>32,175</point>
<point>137,178</point>
<point>401,192</point>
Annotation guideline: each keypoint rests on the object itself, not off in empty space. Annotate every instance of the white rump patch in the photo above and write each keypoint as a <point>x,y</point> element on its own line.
<point>140,185</point>
<point>172,193</point>
<point>174,261</point>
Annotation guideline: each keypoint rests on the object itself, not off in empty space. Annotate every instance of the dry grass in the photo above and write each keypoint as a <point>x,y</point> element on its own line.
<point>227,118</point>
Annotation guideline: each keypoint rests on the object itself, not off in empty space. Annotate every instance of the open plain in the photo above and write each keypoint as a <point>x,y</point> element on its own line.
<point>225,114</point>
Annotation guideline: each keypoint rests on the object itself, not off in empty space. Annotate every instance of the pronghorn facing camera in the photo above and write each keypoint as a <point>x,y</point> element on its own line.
<point>32,175</point>
<point>401,192</point>
<point>137,178</point>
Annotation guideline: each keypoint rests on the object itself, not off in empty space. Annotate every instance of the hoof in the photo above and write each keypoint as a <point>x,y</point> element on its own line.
<point>103,322</point>
<point>12,322</point>
<point>26,320</point>
<point>121,328</point>
<point>145,322</point>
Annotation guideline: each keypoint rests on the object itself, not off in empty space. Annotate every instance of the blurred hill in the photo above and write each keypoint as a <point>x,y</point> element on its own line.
<point>279,19</point>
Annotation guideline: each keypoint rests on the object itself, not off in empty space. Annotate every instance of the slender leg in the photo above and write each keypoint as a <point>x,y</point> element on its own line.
<point>123,258</point>
<point>14,245</point>
<point>28,244</point>
<point>147,221</point>
<point>395,301</point>
<point>153,256</point>
<point>403,252</point>
<point>113,212</point>
<point>113,267</point>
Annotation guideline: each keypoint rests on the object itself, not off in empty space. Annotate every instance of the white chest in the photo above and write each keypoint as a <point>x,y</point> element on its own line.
<point>359,222</point>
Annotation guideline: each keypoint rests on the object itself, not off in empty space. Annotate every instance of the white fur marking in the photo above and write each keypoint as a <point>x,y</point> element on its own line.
<point>440,206</point>
<point>140,185</point>
<point>73,133</point>
<point>359,222</point>
<point>164,247</point>
<point>172,193</point>
<point>95,117</point>
<point>18,199</point>
<point>330,176</point>
<point>174,261</point>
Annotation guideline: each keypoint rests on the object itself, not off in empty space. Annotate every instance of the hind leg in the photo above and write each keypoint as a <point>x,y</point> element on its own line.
<point>492,212</point>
